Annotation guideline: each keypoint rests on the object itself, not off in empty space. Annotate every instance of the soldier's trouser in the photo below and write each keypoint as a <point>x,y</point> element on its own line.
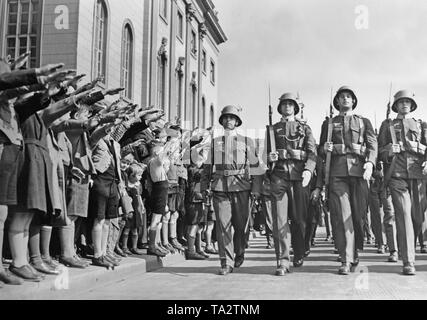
<point>289,200</point>
<point>232,215</point>
<point>313,217</point>
<point>266,211</point>
<point>382,217</point>
<point>348,203</point>
<point>410,203</point>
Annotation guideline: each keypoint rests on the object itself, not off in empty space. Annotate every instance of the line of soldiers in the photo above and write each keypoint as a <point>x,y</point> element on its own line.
<point>348,158</point>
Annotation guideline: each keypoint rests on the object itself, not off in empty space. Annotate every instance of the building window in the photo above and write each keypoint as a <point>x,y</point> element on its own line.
<point>127,63</point>
<point>161,82</point>
<point>164,9</point>
<point>194,105</point>
<point>204,61</point>
<point>180,31</point>
<point>212,76</point>
<point>100,43</point>
<point>202,114</point>
<point>193,44</point>
<point>211,116</point>
<point>23,29</point>
<point>179,95</point>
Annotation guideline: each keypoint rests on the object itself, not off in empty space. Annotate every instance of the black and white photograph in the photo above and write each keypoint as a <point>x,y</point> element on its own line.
<point>213,154</point>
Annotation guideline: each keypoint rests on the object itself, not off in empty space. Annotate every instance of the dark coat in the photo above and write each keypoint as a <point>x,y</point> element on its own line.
<point>17,78</point>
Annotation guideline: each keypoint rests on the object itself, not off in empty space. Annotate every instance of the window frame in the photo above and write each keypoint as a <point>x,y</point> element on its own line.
<point>34,60</point>
<point>127,55</point>
<point>212,75</point>
<point>96,48</point>
<point>204,62</point>
<point>180,24</point>
<point>164,14</point>
<point>193,45</point>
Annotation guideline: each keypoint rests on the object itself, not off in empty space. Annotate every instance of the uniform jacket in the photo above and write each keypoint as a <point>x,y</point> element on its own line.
<point>296,146</point>
<point>411,134</point>
<point>354,142</point>
<point>17,78</point>
<point>232,154</point>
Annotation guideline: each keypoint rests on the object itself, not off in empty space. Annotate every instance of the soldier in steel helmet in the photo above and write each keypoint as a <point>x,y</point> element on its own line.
<point>353,149</point>
<point>294,163</point>
<point>402,147</point>
<point>234,175</point>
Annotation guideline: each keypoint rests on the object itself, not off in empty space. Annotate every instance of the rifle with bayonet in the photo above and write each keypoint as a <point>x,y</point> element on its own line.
<point>328,153</point>
<point>393,139</point>
<point>271,147</point>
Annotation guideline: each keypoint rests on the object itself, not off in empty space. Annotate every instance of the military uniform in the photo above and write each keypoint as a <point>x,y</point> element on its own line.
<point>233,157</point>
<point>407,183</point>
<point>382,214</point>
<point>354,145</point>
<point>296,148</point>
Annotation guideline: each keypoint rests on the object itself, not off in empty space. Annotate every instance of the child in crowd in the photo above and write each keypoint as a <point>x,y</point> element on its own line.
<point>135,221</point>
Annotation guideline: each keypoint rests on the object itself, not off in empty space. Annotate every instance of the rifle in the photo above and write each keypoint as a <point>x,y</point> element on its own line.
<point>393,139</point>
<point>270,131</point>
<point>329,140</point>
<point>211,168</point>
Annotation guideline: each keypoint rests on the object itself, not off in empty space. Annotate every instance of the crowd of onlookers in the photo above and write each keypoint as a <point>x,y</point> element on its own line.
<point>86,181</point>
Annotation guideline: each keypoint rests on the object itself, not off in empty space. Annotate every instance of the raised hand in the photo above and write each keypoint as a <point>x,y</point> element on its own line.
<point>113,92</point>
<point>21,61</point>
<point>48,69</point>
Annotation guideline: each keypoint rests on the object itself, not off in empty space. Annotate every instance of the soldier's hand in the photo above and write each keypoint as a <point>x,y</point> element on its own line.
<point>328,146</point>
<point>273,157</point>
<point>424,165</point>
<point>315,195</point>
<point>306,177</point>
<point>367,174</point>
<point>395,148</point>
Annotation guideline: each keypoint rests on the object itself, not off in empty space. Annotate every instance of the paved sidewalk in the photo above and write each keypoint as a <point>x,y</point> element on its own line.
<point>317,279</point>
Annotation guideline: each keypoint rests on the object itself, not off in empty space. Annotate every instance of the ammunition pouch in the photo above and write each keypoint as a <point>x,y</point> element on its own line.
<point>228,173</point>
<point>292,154</point>
<point>416,147</point>
<point>342,149</point>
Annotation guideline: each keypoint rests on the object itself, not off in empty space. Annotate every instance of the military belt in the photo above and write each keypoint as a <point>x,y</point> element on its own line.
<point>292,154</point>
<point>228,173</point>
<point>342,149</point>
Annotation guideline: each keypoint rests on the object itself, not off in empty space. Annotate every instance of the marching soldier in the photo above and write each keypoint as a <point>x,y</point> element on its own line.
<point>233,158</point>
<point>382,214</point>
<point>402,144</point>
<point>295,161</point>
<point>353,148</point>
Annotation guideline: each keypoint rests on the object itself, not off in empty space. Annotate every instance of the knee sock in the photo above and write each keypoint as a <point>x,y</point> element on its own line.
<point>134,239</point>
<point>3,216</point>
<point>34,243</point>
<point>97,239</point>
<point>190,243</point>
<point>152,235</point>
<point>105,232</point>
<point>125,238</point>
<point>45,236</point>
<point>65,233</point>
<point>172,225</point>
<point>165,229</point>
<point>198,241</point>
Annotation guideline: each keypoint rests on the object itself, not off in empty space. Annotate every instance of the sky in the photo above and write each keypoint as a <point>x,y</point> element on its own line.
<point>311,46</point>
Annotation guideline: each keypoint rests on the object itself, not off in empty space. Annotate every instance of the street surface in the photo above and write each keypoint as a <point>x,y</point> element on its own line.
<point>255,280</point>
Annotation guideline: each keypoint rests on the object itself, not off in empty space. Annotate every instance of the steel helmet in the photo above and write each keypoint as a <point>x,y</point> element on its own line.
<point>291,97</point>
<point>404,94</point>
<point>231,110</point>
<point>345,88</point>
